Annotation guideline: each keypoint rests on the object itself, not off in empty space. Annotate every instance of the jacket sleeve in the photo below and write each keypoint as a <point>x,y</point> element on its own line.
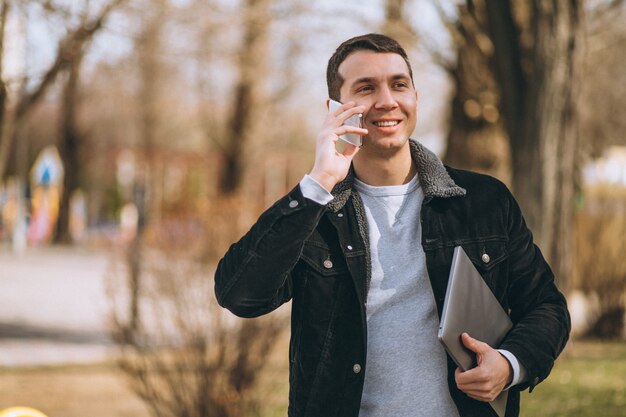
<point>254,276</point>
<point>538,308</point>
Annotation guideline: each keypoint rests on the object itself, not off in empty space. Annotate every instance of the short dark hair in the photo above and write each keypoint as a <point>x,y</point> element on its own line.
<point>370,42</point>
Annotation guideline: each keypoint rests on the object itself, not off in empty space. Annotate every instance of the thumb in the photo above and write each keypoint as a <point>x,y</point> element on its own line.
<point>472,344</point>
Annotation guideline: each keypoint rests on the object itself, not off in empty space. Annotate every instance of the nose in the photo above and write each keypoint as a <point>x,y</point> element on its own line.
<point>385,99</point>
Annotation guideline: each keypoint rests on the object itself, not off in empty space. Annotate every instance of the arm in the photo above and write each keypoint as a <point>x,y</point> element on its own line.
<point>538,309</point>
<point>539,312</point>
<point>254,276</point>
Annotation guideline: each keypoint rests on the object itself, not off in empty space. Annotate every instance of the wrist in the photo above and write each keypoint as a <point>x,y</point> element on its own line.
<point>325,180</point>
<point>509,370</point>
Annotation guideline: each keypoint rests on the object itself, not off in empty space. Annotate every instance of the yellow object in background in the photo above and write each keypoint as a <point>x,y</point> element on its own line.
<point>21,412</point>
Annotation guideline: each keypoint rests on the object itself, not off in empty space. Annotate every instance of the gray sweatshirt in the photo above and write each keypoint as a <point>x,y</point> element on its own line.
<point>406,373</point>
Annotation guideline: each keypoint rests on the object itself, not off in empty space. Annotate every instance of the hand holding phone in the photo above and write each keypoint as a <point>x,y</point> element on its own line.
<point>356,121</point>
<point>332,161</point>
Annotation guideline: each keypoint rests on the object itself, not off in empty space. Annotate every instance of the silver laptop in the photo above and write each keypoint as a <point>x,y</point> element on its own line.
<point>471,307</point>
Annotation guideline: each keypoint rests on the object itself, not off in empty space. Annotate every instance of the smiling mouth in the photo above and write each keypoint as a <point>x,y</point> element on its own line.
<point>387,123</point>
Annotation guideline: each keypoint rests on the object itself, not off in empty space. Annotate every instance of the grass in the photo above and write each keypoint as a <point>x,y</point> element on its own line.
<point>94,390</point>
<point>589,379</point>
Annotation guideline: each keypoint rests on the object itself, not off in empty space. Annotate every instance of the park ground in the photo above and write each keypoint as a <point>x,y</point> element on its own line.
<point>589,380</point>
<point>55,355</point>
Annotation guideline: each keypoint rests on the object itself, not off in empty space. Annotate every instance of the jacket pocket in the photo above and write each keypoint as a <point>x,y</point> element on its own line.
<point>324,261</point>
<point>490,257</point>
<point>486,254</point>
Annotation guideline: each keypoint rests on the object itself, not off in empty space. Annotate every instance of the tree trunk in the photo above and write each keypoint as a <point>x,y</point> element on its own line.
<point>397,26</point>
<point>538,105</point>
<point>69,146</point>
<point>248,94</point>
<point>3,88</point>
<point>144,183</point>
<point>69,149</point>
<point>6,124</point>
<point>549,130</point>
<point>476,140</point>
<point>72,42</point>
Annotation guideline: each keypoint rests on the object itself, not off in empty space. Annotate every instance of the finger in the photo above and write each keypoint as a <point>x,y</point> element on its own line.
<point>484,392</point>
<point>342,108</point>
<point>472,344</point>
<point>480,386</point>
<point>341,118</point>
<point>482,397</point>
<point>485,388</point>
<point>335,112</point>
<point>343,129</point>
<point>471,376</point>
<point>459,376</point>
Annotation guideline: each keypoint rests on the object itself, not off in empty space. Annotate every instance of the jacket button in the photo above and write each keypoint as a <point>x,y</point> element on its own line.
<point>349,247</point>
<point>485,258</point>
<point>293,203</point>
<point>356,368</point>
<point>340,215</point>
<point>328,264</point>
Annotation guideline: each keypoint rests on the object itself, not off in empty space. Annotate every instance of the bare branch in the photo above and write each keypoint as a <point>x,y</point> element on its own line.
<point>430,48</point>
<point>600,18</point>
<point>606,9</point>
<point>69,49</point>
<point>507,61</point>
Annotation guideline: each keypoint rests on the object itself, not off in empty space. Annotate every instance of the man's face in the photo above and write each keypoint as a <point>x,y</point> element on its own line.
<point>382,83</point>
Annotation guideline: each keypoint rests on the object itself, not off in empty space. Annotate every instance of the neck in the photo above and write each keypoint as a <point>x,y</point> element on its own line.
<point>389,169</point>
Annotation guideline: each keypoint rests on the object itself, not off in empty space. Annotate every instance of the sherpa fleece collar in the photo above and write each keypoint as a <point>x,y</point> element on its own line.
<point>433,177</point>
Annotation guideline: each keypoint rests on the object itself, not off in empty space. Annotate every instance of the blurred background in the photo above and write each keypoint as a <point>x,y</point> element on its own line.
<point>140,138</point>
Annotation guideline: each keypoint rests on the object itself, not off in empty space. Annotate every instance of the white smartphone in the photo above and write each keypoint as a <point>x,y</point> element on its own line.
<point>356,121</point>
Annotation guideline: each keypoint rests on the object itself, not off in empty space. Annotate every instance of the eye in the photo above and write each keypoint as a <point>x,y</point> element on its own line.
<point>400,84</point>
<point>364,88</point>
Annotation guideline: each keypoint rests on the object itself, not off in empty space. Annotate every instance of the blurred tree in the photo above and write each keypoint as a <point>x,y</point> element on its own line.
<point>189,358</point>
<point>527,54</point>
<point>248,93</point>
<point>70,48</point>
<point>148,46</point>
<point>397,25</point>
<point>69,143</point>
<point>476,138</point>
<point>601,227</point>
<point>4,11</point>
<point>276,154</point>
<point>604,72</point>
<point>69,149</point>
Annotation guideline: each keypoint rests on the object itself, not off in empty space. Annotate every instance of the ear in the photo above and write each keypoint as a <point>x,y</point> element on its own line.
<point>327,104</point>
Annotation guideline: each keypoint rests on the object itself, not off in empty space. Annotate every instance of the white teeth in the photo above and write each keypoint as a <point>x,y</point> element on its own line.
<point>386,124</point>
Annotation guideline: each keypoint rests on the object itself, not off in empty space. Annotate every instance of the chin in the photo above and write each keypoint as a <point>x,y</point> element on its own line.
<point>387,143</point>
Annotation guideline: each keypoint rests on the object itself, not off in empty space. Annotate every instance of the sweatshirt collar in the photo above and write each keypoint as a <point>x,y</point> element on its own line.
<point>432,174</point>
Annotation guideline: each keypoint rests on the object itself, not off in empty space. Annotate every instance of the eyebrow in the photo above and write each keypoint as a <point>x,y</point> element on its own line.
<point>372,79</point>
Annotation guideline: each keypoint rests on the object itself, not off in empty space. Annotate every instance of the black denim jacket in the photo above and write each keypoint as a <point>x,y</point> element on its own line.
<point>318,256</point>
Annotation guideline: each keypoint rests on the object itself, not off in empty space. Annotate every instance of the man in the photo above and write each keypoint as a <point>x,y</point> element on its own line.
<point>363,246</point>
